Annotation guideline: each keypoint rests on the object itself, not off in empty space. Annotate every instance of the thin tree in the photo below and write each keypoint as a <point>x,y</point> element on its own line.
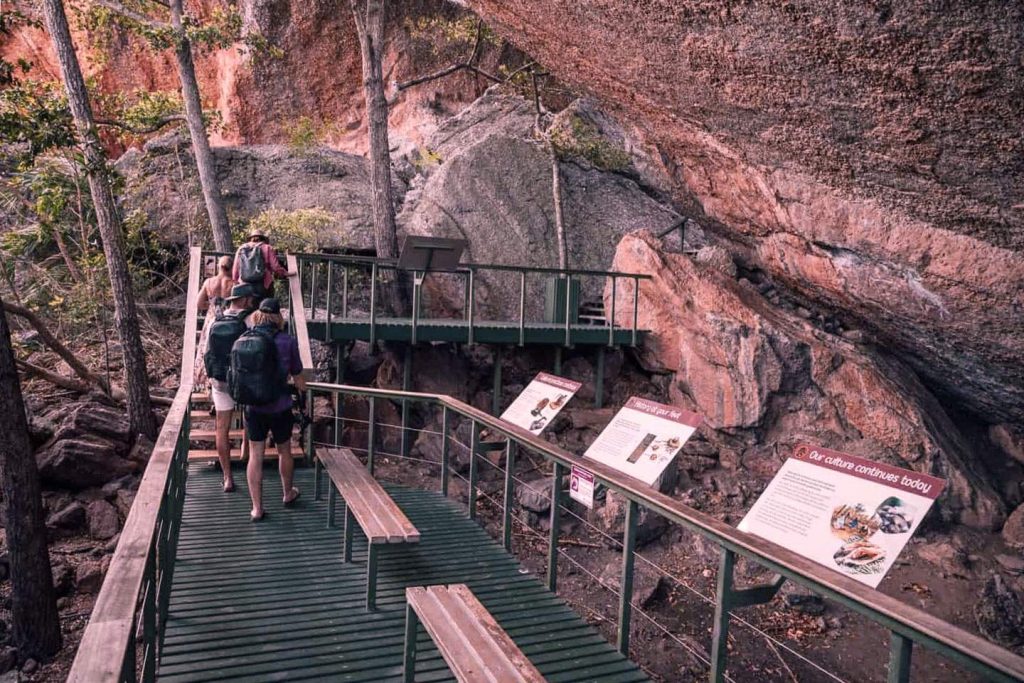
<point>140,414</point>
<point>175,29</point>
<point>36,624</point>
<point>369,19</point>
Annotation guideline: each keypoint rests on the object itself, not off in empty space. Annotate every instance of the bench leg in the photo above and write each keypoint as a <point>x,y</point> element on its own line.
<point>349,532</point>
<point>332,501</point>
<point>409,659</point>
<point>317,476</point>
<point>371,576</point>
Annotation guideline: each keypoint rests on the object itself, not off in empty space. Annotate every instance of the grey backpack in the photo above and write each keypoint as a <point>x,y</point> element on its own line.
<point>251,265</point>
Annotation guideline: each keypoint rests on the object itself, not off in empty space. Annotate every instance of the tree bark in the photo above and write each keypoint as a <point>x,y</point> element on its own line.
<point>36,627</point>
<point>197,130</point>
<point>369,18</point>
<point>140,413</point>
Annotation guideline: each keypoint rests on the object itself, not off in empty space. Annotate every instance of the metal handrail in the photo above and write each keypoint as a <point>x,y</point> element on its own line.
<point>906,624</point>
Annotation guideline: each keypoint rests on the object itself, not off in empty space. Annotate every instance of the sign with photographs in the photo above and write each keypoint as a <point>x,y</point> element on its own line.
<point>847,513</point>
<point>581,486</point>
<point>643,438</point>
<point>540,401</point>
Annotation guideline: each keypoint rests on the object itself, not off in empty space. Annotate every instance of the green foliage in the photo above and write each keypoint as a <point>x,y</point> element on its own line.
<point>35,114</point>
<point>579,138</point>
<point>304,134</point>
<point>460,31</point>
<point>300,230</point>
<point>426,158</point>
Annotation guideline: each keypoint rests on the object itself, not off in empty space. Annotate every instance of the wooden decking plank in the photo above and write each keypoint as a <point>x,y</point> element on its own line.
<point>241,610</point>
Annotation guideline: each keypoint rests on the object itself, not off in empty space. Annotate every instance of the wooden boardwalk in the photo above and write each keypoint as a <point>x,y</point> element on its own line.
<point>273,601</point>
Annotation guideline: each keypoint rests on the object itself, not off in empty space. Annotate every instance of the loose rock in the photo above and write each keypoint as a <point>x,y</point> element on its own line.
<point>103,520</point>
<point>999,613</point>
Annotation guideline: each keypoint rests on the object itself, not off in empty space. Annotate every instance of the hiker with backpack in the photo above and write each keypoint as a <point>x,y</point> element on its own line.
<point>212,295</point>
<point>261,361</point>
<point>223,333</point>
<point>256,264</point>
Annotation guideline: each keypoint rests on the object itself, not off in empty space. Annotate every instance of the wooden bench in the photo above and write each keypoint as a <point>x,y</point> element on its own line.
<point>476,648</point>
<point>368,504</point>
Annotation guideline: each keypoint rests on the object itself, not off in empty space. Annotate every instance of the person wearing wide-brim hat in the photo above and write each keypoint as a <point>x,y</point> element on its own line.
<point>256,264</point>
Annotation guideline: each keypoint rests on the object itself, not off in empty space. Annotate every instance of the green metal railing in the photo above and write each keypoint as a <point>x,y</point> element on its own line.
<point>331,279</point>
<point>906,625</point>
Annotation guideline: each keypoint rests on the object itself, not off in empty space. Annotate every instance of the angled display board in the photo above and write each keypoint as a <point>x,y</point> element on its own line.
<point>848,513</point>
<point>643,438</point>
<point>540,401</point>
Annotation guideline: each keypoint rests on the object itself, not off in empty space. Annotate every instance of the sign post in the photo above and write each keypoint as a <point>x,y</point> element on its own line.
<point>850,514</point>
<point>541,400</point>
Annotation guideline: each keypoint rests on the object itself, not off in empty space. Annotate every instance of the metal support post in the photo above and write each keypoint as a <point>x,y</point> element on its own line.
<point>474,444</point>
<point>332,504</point>
<point>330,302</point>
<point>417,279</point>
<point>568,309</point>
<point>506,513</point>
<point>344,292</point>
<point>496,392</point>
<point>471,305</point>
<point>373,305</point>
<point>445,451</point>
<point>522,308</point>
<point>611,318</point>
<point>406,386</point>
<point>558,360</point>
<point>723,604</point>
<point>412,623</point>
<point>626,587</point>
<point>350,530</point>
<point>599,380</point>
<point>556,505</point>
<point>314,266</point>
<point>371,444</point>
<point>371,576</point>
<point>636,309</point>
<point>900,649</point>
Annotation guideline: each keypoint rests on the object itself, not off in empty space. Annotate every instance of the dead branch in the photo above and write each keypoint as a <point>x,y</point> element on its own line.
<point>469,64</point>
<point>578,544</point>
<point>53,378</point>
<point>130,14</point>
<point>165,121</point>
<point>54,344</point>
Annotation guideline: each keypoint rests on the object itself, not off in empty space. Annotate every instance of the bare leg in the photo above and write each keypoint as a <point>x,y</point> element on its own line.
<point>286,464</point>
<point>224,446</point>
<point>254,475</point>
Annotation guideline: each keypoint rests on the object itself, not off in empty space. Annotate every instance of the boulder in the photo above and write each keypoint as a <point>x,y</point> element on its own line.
<point>1013,530</point>
<point>94,419</point>
<point>88,577</point>
<point>760,374</point>
<point>1010,438</point>
<point>161,182</point>
<point>492,187</point>
<point>81,463</point>
<point>63,579</point>
<point>999,613</point>
<point>610,519</point>
<point>67,521</point>
<point>535,495</point>
<point>103,520</point>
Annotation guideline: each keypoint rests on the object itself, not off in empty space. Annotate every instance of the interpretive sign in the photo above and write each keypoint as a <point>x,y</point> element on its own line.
<point>643,438</point>
<point>581,486</point>
<point>540,401</point>
<point>847,513</point>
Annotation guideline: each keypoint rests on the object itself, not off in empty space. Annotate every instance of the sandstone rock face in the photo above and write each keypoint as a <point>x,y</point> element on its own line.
<point>867,156</point>
<point>492,187</point>
<point>769,377</point>
<point>163,184</point>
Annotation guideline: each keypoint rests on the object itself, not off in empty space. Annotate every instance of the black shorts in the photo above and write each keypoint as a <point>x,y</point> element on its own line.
<point>258,425</point>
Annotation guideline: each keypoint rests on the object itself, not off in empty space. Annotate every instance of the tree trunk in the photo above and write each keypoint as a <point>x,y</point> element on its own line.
<point>369,17</point>
<point>197,130</point>
<point>556,196</point>
<point>140,414</point>
<point>36,627</point>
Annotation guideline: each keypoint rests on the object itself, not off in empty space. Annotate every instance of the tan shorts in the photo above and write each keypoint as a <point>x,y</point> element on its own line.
<point>222,400</point>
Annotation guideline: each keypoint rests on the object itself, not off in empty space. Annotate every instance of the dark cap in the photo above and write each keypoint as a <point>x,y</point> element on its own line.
<point>271,306</point>
<point>241,291</point>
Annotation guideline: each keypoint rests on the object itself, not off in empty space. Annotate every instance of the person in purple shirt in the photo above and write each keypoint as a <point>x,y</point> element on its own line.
<point>274,418</point>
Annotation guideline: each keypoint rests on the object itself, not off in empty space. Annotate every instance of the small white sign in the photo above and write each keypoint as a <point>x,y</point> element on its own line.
<point>581,486</point>
<point>540,401</point>
<point>643,438</point>
<point>847,513</point>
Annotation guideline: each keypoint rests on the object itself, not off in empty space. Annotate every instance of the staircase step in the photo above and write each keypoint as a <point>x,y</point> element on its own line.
<point>200,415</point>
<point>199,454</point>
<point>209,434</point>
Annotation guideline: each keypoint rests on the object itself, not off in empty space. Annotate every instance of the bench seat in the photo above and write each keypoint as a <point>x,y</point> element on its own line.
<point>475,647</point>
<point>367,504</point>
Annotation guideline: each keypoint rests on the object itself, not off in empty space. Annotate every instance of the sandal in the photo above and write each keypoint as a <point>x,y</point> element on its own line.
<point>288,502</point>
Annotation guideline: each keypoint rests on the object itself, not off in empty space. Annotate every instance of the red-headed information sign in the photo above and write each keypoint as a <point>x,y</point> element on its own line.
<point>848,513</point>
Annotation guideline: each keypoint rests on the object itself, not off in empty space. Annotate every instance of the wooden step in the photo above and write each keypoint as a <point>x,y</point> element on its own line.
<point>200,397</point>
<point>210,434</point>
<point>201,454</point>
<point>200,415</point>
